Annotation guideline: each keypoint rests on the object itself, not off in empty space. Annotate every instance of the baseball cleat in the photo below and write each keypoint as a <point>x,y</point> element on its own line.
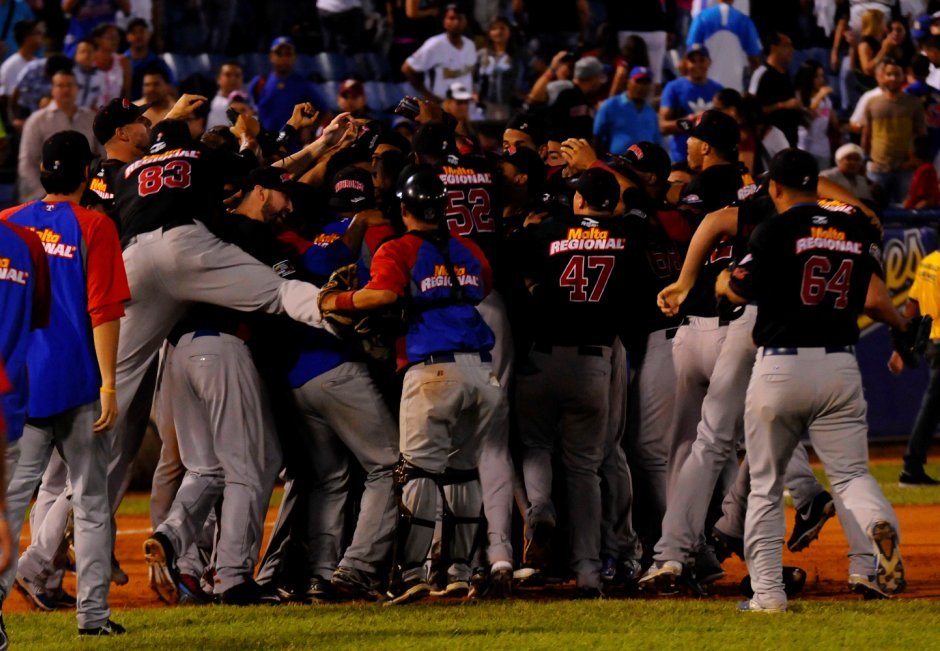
<point>159,554</point>
<point>454,589</point>
<point>630,571</point>
<point>919,478</point>
<point>36,597</point>
<point>108,628</point>
<point>412,590</point>
<point>810,520</point>
<point>609,570</point>
<point>867,587</point>
<point>889,570</point>
<point>537,550</point>
<point>794,578</point>
<point>661,577</point>
<point>725,545</point>
<point>752,606</point>
<point>708,567</point>
<point>524,573</point>
<point>191,591</point>
<point>351,583</point>
<point>319,591</point>
<point>500,584</point>
<point>246,593</point>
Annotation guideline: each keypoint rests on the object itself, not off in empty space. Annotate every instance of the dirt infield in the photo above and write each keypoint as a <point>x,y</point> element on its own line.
<point>825,562</point>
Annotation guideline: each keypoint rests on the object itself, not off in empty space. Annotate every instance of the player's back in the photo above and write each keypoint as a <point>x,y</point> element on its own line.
<point>473,206</point>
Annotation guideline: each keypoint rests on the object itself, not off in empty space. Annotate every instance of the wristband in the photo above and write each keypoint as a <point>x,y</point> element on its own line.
<point>286,135</point>
<point>107,390</point>
<point>344,301</point>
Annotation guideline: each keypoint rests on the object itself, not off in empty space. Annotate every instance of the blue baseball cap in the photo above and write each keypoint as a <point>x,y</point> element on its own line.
<point>282,40</point>
<point>920,28</point>
<point>641,72</point>
<point>698,48</point>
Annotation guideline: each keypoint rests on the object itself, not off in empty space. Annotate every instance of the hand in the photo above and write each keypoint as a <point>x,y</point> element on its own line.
<point>185,106</point>
<point>304,116</point>
<point>823,92</point>
<point>578,153</point>
<point>109,412</point>
<point>895,363</point>
<point>835,61</point>
<point>556,60</point>
<point>722,284</point>
<point>534,218</point>
<point>670,299</point>
<point>6,542</point>
<point>431,111</point>
<point>372,217</point>
<point>792,104</point>
<point>246,126</point>
<point>334,131</point>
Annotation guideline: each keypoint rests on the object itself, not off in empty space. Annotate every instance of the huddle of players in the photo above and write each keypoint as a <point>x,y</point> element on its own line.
<point>516,277</point>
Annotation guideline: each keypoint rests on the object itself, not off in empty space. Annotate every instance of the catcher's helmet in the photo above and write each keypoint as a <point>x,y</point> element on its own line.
<point>424,195</point>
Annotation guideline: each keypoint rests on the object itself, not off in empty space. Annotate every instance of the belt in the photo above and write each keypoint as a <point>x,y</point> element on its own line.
<point>721,322</point>
<point>205,332</point>
<point>671,333</point>
<point>185,221</point>
<point>586,351</point>
<point>796,351</point>
<point>450,358</point>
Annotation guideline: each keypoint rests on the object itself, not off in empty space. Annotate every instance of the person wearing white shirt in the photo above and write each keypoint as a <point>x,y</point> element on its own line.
<point>28,35</point>
<point>443,59</point>
<point>89,78</point>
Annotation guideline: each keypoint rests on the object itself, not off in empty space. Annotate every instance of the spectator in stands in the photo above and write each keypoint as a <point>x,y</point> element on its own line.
<point>924,191</point>
<point>627,118</point>
<point>33,86</point>
<point>891,121</point>
<point>553,26</point>
<point>556,78</point>
<point>341,23</point>
<point>773,88</point>
<point>62,113</point>
<point>813,93</point>
<point>732,36</point>
<point>158,93</point>
<point>499,71</point>
<point>849,171</point>
<point>87,15</point>
<point>89,79</point>
<point>141,56</point>
<point>573,111</point>
<point>116,68</point>
<point>277,93</point>
<point>351,98</point>
<point>685,97</point>
<point>411,23</point>
<point>443,59</point>
<point>760,141</point>
<point>931,50</point>
<point>28,35</point>
<point>930,96</point>
<point>646,19</point>
<point>875,45</point>
<point>230,79</point>
<point>11,13</point>
<point>457,103</point>
<point>634,53</point>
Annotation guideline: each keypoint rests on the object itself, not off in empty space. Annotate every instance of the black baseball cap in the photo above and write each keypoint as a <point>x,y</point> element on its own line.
<point>116,114</point>
<point>528,162</point>
<point>713,127</point>
<point>649,158</point>
<point>433,139</point>
<point>353,189</point>
<point>795,169</point>
<point>270,178</point>
<point>66,154</point>
<point>531,125</point>
<point>599,189</point>
<point>697,49</point>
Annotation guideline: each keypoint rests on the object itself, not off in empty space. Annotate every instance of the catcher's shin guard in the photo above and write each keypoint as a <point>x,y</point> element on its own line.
<point>417,508</point>
<point>462,517</point>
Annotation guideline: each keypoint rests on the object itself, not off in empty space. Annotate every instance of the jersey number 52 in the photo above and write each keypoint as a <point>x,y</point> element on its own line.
<point>575,277</point>
<point>469,211</point>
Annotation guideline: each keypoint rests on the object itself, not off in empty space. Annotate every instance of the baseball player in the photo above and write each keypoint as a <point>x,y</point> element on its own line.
<point>451,396</point>
<point>71,407</point>
<point>811,270</point>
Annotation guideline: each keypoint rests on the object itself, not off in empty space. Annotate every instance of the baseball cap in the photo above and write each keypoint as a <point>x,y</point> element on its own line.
<point>528,162</point>
<point>352,88</point>
<point>713,127</point>
<point>270,178</point>
<point>352,189</point>
<point>458,91</point>
<point>66,153</point>
<point>920,27</point>
<point>281,41</point>
<point>648,158</point>
<point>848,150</point>
<point>588,68</point>
<point>531,125</point>
<point>115,114</point>
<point>433,139</point>
<point>598,187</point>
<point>794,168</point>
<point>641,72</point>
<point>455,7</point>
<point>697,49</point>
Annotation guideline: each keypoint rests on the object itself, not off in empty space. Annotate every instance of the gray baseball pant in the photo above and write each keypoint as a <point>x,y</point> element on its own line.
<point>789,394</point>
<point>567,400</point>
<point>86,455</point>
<point>169,472</point>
<point>228,444</point>
<point>168,270</point>
<point>343,412</point>
<point>48,519</point>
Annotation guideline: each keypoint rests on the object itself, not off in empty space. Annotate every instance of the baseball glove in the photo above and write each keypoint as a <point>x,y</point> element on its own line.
<point>342,280</point>
<point>911,343</point>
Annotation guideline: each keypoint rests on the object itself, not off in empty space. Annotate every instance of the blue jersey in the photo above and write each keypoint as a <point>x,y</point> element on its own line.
<point>276,97</point>
<point>441,319</point>
<point>685,98</point>
<point>24,304</point>
<point>620,124</point>
<point>89,287</point>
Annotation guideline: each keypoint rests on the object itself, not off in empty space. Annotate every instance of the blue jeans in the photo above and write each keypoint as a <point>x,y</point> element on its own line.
<point>894,184</point>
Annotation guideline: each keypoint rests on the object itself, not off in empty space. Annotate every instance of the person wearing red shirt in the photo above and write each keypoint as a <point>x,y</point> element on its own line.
<point>924,191</point>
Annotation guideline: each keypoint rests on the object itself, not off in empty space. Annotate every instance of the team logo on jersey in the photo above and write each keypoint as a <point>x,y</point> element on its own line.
<point>587,239</point>
<point>158,158</point>
<point>828,239</point>
<point>283,268</point>
<point>325,239</point>
<point>53,245</point>
<point>453,175</point>
<point>99,187</point>
<point>441,278</point>
<point>587,222</point>
<point>11,274</point>
<point>837,206</point>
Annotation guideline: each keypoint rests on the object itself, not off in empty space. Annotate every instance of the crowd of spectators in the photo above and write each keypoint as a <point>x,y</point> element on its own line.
<point>814,74</point>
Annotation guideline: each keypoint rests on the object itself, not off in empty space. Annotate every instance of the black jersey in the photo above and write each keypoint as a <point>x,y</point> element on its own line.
<point>808,270</point>
<point>579,266</point>
<point>100,192</point>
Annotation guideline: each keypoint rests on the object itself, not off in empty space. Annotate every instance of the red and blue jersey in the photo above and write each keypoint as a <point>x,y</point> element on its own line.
<point>5,388</point>
<point>441,318</point>
<point>24,304</point>
<point>89,287</point>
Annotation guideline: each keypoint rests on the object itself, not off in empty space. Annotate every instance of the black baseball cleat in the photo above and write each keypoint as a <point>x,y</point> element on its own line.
<point>726,545</point>
<point>161,567</point>
<point>351,583</point>
<point>108,628</point>
<point>319,591</point>
<point>918,478</point>
<point>810,520</point>
<point>247,593</point>
<point>794,578</point>
<point>537,550</point>
<point>408,591</point>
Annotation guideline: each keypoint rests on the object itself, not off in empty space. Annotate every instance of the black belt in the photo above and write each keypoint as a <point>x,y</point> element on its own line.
<point>586,351</point>
<point>796,351</point>
<point>721,322</point>
<point>671,333</point>
<point>205,332</point>
<point>450,358</point>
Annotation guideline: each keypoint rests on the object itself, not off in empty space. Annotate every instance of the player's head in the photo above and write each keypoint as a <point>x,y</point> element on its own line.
<point>64,88</point>
<point>121,126</point>
<point>649,164</point>
<point>525,130</point>
<point>793,175</point>
<point>265,194</point>
<point>713,139</point>
<point>353,190</point>
<point>423,198</point>
<point>597,193</point>
<point>523,173</point>
<point>282,55</point>
<point>455,19</point>
<point>65,160</point>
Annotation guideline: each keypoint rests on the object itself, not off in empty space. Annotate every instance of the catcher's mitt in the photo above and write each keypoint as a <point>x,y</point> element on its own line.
<point>911,343</point>
<point>342,280</point>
